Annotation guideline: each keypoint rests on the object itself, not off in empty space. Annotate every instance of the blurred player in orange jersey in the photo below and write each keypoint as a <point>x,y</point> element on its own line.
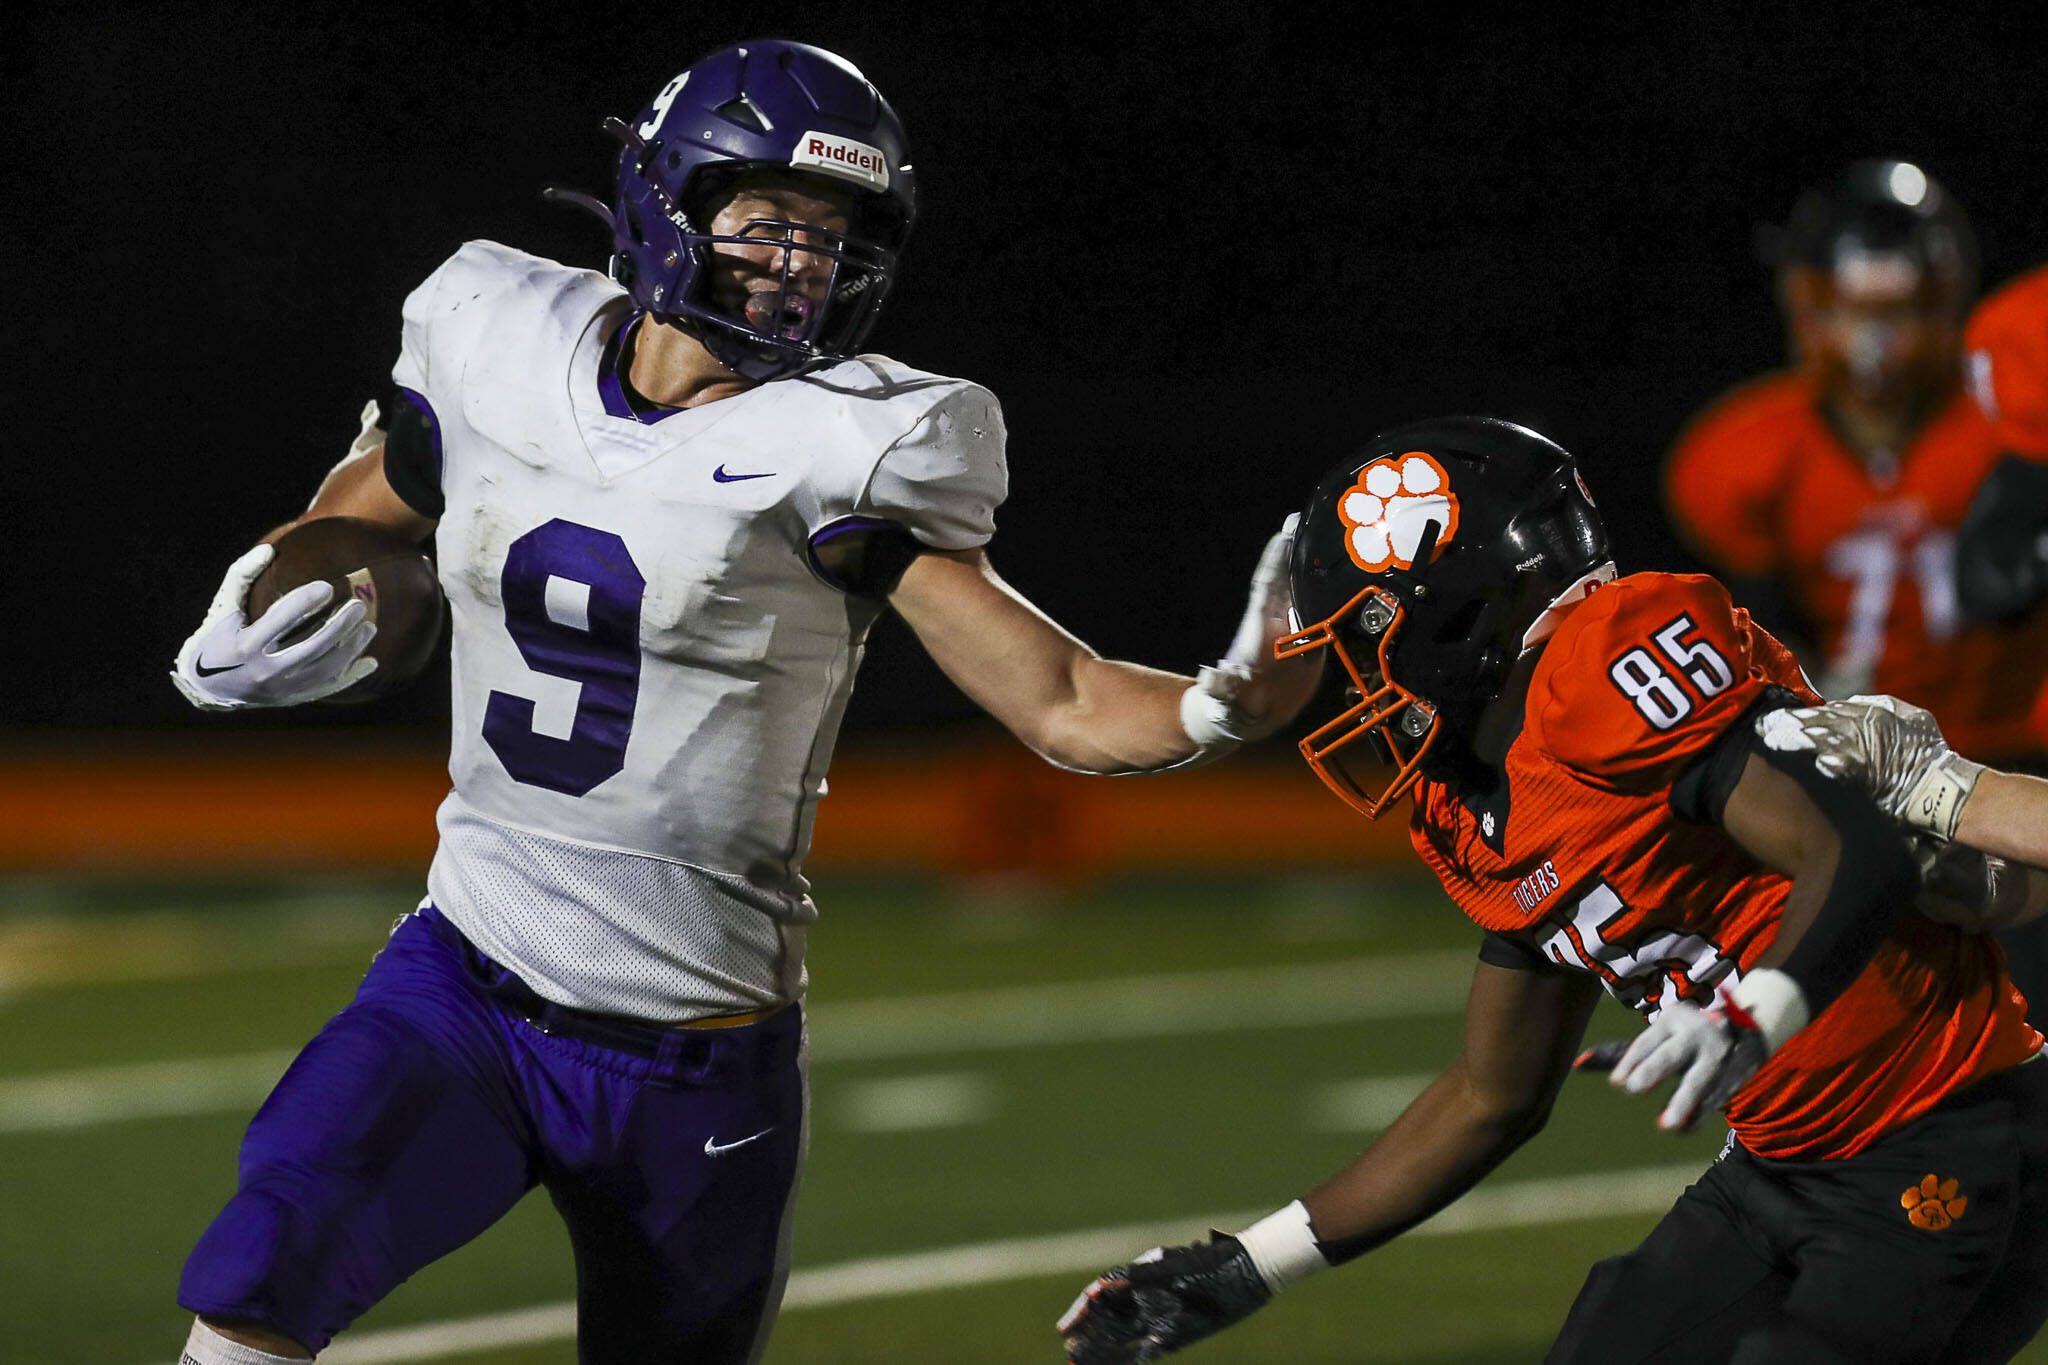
<point>2008,349</point>
<point>2002,551</point>
<point>1894,750</point>
<point>1835,498</point>
<point>1589,787</point>
<point>1829,496</point>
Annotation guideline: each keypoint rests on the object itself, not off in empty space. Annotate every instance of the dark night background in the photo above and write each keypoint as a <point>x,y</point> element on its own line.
<point>1198,252</point>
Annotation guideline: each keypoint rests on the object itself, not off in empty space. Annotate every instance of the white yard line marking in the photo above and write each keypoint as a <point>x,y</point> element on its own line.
<point>1366,1105</point>
<point>1513,1204</point>
<point>1401,986</point>
<point>107,1094</point>
<point>903,1104</point>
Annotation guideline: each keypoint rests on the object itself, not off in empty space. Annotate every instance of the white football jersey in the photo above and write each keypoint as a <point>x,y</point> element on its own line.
<point>648,675</point>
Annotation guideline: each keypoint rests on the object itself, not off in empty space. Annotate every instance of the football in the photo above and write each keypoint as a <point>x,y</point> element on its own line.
<point>377,566</point>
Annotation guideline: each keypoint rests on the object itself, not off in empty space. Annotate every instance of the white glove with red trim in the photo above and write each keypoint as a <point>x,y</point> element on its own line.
<point>1712,1051</point>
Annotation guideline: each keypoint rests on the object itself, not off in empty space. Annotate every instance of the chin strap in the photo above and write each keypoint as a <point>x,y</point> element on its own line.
<point>555,194</point>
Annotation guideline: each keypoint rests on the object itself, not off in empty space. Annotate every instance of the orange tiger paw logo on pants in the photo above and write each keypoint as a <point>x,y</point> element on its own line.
<point>1933,1203</point>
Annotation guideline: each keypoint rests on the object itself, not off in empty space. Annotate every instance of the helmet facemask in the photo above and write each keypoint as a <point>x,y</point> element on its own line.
<point>780,330</point>
<point>1399,727</point>
<point>774,332</point>
<point>1429,641</point>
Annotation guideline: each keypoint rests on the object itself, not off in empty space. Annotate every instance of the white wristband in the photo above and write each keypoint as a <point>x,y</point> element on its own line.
<point>1775,1001</point>
<point>1283,1247</point>
<point>1936,802</point>
<point>1207,715</point>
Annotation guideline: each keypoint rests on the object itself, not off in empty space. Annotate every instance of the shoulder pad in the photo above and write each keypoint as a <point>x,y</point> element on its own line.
<point>1747,428</point>
<point>471,293</point>
<point>1727,470</point>
<point>2008,365</point>
<point>878,377</point>
<point>1645,675</point>
<point>946,475</point>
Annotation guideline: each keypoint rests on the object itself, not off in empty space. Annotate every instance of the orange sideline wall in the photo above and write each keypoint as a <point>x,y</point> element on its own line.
<point>972,809</point>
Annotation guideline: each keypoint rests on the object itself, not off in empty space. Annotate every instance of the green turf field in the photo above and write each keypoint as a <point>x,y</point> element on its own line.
<point>1009,1092</point>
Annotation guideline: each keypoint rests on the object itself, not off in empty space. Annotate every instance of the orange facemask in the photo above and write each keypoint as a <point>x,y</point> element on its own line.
<point>1404,724</point>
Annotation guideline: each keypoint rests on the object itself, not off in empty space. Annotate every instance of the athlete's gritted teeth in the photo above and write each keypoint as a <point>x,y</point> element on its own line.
<point>785,315</point>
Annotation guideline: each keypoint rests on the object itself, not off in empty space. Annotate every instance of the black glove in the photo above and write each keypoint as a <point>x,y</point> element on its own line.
<point>1166,1299</point>
<point>2002,545</point>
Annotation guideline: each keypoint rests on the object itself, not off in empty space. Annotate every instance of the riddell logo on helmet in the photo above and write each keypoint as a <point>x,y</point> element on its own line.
<point>1393,500</point>
<point>843,157</point>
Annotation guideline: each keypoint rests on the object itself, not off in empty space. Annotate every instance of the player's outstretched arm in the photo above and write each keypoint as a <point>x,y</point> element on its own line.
<point>1521,1029</point>
<point>1895,752</point>
<point>230,663</point>
<point>2007,817</point>
<point>1084,712</point>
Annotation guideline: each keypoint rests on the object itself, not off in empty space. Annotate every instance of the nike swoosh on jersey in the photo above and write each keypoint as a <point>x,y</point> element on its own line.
<point>712,1147</point>
<point>721,476</point>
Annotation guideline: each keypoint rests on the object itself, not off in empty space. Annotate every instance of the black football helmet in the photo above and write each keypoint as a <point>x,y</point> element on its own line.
<point>1876,268</point>
<point>1429,563</point>
<point>1875,211</point>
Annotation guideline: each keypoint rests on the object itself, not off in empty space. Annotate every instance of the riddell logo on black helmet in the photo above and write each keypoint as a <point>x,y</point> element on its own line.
<point>1384,513</point>
<point>843,157</point>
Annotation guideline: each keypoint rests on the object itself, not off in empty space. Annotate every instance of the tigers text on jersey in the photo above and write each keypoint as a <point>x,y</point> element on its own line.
<point>648,676</point>
<point>1580,857</point>
<point>1763,487</point>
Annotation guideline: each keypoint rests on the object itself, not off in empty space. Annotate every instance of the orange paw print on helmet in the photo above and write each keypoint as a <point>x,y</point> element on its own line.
<point>1393,500</point>
<point>1933,1203</point>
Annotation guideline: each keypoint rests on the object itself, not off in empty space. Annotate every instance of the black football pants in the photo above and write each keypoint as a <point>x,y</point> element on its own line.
<point>1863,1260</point>
<point>2026,958</point>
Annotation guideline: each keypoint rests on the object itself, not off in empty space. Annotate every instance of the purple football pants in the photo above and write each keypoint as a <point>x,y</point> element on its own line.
<point>423,1112</point>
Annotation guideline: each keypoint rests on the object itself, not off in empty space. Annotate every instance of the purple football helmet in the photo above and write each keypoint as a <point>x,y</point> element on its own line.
<point>757,106</point>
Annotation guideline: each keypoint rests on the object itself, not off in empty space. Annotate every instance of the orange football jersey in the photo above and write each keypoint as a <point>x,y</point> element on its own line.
<point>1762,487</point>
<point>2008,345</point>
<point>1581,857</point>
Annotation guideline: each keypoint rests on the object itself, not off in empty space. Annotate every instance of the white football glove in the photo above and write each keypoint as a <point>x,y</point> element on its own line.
<point>1891,749</point>
<point>1249,694</point>
<point>1713,1051</point>
<point>228,663</point>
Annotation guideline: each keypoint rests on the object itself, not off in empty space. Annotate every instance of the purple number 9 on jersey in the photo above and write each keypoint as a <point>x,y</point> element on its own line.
<point>601,651</point>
